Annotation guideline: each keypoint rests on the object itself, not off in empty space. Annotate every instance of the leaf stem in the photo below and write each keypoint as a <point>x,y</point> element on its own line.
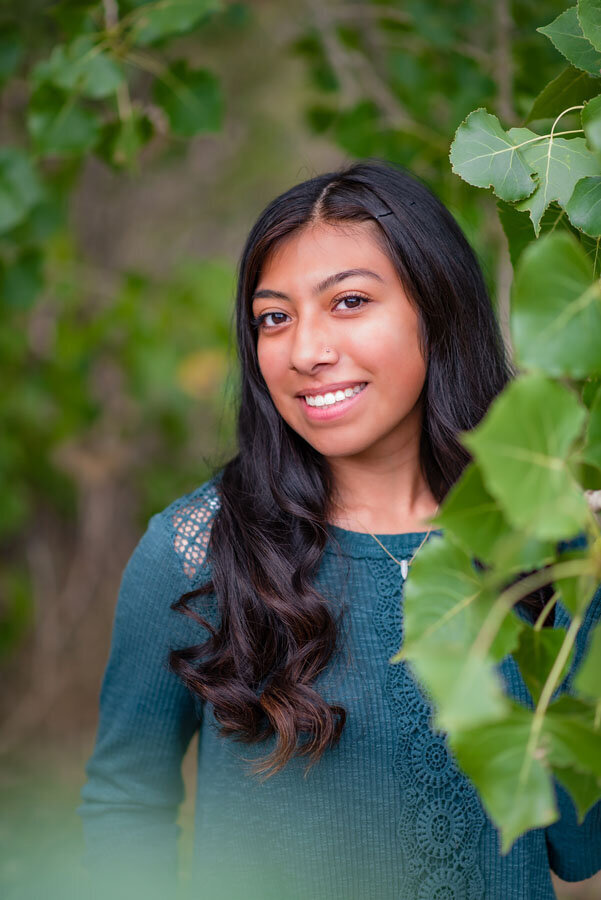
<point>545,697</point>
<point>545,612</point>
<point>508,598</point>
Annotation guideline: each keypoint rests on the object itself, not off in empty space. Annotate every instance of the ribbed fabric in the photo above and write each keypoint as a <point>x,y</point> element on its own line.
<point>385,815</point>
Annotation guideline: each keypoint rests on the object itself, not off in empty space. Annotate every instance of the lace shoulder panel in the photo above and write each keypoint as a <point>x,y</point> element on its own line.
<point>189,520</point>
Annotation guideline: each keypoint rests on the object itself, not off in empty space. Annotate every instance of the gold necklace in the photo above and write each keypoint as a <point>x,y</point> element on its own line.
<point>403,563</point>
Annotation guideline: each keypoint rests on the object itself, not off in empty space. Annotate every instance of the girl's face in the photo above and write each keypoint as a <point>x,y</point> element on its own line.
<point>329,286</point>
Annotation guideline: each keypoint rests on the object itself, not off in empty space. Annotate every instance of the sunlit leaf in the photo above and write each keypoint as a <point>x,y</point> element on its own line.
<point>486,156</point>
<point>559,165</point>
<point>522,446</point>
<point>493,757</point>
<point>556,309</point>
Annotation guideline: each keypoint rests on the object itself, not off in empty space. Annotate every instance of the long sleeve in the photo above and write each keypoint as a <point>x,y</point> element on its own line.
<point>575,850</point>
<point>134,785</point>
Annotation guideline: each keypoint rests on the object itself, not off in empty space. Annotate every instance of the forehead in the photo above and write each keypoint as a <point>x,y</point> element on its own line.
<point>316,251</point>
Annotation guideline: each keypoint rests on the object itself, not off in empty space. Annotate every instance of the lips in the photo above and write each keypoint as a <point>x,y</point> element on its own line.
<point>328,388</point>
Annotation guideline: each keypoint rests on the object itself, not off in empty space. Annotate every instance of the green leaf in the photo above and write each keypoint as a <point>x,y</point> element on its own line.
<point>591,122</point>
<point>82,67</point>
<point>59,126</point>
<point>591,452</point>
<point>158,20</point>
<point>559,165</point>
<point>556,309</point>
<point>466,690</point>
<point>584,205</point>
<point>576,592</point>
<point>536,654</point>
<point>445,604</point>
<point>472,515</point>
<point>522,446</point>
<point>589,18</point>
<point>492,755</point>
<point>519,229</point>
<point>11,50</point>
<point>20,187</point>
<point>566,35</point>
<point>21,282</point>
<point>191,98</point>
<point>571,739</point>
<point>587,680</point>
<point>584,788</point>
<point>572,87</point>
<point>122,140</point>
<point>485,156</point>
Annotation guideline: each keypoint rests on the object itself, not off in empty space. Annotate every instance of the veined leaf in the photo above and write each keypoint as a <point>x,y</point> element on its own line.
<point>589,19</point>
<point>485,156</point>
<point>566,35</point>
<point>446,602</point>
<point>556,309</point>
<point>522,446</point>
<point>572,87</point>
<point>591,122</point>
<point>492,756</point>
<point>559,164</point>
<point>584,206</point>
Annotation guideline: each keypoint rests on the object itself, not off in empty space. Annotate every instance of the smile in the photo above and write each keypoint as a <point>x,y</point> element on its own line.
<point>332,404</point>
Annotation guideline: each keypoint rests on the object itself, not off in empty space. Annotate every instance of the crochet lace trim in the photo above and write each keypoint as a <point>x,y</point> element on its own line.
<point>442,815</point>
<point>190,522</point>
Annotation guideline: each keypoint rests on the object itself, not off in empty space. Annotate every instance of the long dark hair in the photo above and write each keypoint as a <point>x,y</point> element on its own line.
<point>276,634</point>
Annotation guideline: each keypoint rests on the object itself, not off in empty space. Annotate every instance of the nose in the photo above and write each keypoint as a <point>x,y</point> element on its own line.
<point>312,344</point>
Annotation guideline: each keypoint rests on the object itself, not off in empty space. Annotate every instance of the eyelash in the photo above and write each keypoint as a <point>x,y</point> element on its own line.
<point>257,321</point>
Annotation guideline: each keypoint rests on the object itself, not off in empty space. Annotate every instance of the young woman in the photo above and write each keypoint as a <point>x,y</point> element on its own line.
<point>262,608</point>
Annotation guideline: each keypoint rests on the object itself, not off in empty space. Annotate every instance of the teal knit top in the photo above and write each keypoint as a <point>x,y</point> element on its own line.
<point>385,814</point>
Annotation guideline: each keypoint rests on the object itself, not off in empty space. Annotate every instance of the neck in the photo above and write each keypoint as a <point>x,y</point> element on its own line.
<point>384,493</point>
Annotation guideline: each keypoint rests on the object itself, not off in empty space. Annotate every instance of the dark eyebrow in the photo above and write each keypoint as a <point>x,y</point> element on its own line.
<point>328,282</point>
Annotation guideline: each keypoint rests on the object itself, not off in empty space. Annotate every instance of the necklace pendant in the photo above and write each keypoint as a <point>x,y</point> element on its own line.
<point>404,568</point>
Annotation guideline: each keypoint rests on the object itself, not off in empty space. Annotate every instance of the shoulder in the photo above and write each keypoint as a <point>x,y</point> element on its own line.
<point>184,527</point>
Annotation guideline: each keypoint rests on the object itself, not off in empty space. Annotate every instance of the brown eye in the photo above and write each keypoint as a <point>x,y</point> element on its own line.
<point>351,298</point>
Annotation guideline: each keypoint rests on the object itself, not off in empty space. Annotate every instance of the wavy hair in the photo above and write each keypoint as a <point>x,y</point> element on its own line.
<point>276,633</point>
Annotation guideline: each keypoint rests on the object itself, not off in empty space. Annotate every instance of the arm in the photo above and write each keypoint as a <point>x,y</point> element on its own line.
<point>575,850</point>
<point>134,785</point>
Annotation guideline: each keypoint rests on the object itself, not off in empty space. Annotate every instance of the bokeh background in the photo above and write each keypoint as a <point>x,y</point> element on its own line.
<point>126,192</point>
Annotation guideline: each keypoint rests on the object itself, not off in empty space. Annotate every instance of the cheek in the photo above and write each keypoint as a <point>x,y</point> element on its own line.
<point>272,363</point>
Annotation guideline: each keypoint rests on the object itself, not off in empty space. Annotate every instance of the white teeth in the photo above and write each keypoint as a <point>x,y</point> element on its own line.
<point>334,397</point>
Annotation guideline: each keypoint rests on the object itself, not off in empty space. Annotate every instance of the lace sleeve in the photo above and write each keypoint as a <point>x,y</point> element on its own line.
<point>190,523</point>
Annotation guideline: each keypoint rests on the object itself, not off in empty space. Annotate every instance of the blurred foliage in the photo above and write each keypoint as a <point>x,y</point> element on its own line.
<point>79,357</point>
